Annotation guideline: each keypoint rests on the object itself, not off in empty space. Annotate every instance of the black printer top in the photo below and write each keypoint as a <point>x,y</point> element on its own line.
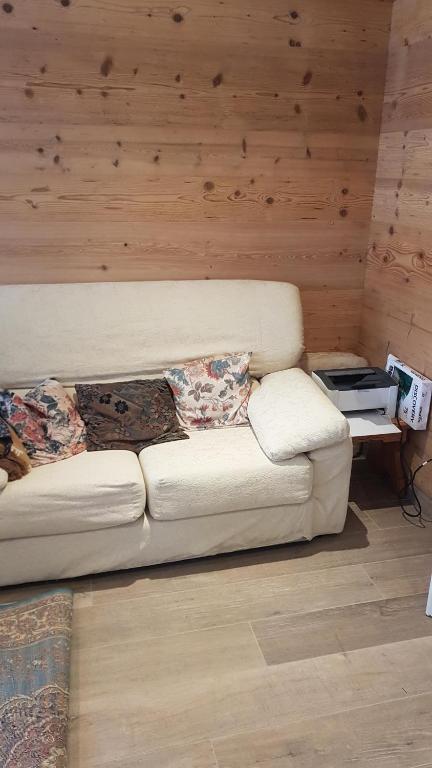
<point>344,379</point>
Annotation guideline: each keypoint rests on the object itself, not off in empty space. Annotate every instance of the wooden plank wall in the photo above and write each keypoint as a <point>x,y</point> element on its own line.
<point>398,287</point>
<point>222,138</point>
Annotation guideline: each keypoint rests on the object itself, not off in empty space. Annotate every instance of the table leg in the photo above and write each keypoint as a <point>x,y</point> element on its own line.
<point>394,466</point>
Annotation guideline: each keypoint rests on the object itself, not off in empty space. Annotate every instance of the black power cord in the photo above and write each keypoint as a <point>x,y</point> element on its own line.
<point>408,493</point>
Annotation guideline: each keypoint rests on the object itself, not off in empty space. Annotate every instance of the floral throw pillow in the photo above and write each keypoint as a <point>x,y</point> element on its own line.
<point>47,421</point>
<point>211,392</point>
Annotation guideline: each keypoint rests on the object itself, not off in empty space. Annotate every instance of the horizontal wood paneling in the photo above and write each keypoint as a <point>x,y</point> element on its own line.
<point>397,314</point>
<point>229,140</point>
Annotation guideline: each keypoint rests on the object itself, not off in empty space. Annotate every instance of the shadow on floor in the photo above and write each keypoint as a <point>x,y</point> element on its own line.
<point>370,490</point>
<point>353,536</point>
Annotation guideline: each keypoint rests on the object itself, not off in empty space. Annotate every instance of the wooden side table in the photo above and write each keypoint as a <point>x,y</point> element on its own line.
<point>384,439</point>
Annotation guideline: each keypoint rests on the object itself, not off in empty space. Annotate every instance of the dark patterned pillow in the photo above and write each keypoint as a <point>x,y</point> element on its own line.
<point>128,415</point>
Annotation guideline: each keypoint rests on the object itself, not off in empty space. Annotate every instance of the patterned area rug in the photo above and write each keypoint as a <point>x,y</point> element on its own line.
<point>34,680</point>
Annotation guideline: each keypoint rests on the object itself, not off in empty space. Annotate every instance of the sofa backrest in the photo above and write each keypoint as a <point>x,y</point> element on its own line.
<point>110,331</point>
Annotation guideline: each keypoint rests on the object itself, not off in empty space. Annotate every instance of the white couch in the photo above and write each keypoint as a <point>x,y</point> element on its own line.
<point>216,492</point>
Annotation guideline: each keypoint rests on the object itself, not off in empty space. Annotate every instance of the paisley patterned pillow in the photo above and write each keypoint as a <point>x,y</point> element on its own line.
<point>128,415</point>
<point>211,392</point>
<point>46,420</point>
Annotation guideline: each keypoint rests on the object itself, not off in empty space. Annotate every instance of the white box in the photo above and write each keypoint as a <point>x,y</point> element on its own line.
<point>414,393</point>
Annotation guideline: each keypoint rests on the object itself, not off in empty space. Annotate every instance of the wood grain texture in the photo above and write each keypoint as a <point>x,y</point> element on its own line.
<point>395,733</point>
<point>362,542</point>
<point>156,615</point>
<point>197,755</point>
<point>404,576</point>
<point>397,314</point>
<point>162,701</point>
<point>123,718</point>
<point>212,140</point>
<point>130,718</point>
<point>166,695</point>
<point>186,685</point>
<point>337,630</point>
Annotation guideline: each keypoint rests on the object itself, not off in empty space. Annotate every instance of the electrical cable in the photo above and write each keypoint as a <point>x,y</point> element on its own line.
<point>408,493</point>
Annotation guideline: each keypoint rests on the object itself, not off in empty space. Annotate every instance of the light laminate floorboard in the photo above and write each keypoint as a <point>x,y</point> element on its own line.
<point>361,542</point>
<point>162,664</point>
<point>312,654</point>
<point>157,615</point>
<point>384,518</point>
<point>139,715</point>
<point>197,755</point>
<point>396,733</point>
<point>82,589</point>
<point>402,576</point>
<point>316,633</point>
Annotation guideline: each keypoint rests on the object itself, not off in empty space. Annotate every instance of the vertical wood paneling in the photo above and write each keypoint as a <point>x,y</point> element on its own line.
<point>216,139</point>
<point>398,286</point>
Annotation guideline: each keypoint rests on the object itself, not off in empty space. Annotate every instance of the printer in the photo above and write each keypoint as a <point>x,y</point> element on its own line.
<point>359,389</point>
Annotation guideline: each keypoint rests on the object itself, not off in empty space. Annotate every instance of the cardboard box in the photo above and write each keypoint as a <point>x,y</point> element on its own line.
<point>414,393</point>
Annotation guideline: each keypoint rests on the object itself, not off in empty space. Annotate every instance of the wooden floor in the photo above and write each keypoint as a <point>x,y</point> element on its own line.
<point>315,655</point>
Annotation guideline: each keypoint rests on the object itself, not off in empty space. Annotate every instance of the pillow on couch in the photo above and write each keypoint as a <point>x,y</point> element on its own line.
<point>211,392</point>
<point>128,415</point>
<point>14,459</point>
<point>46,420</point>
<point>290,414</point>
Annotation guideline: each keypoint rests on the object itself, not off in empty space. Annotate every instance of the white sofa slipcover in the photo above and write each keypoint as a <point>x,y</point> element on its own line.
<point>219,470</point>
<point>65,527</point>
<point>291,416</point>
<point>92,490</point>
<point>148,541</point>
<point>117,331</point>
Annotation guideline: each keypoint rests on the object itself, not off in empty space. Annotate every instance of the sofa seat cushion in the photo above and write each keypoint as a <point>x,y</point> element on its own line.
<point>82,493</point>
<point>219,470</point>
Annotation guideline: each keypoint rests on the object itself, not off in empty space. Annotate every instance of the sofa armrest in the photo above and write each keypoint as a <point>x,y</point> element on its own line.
<point>290,414</point>
<point>3,479</point>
